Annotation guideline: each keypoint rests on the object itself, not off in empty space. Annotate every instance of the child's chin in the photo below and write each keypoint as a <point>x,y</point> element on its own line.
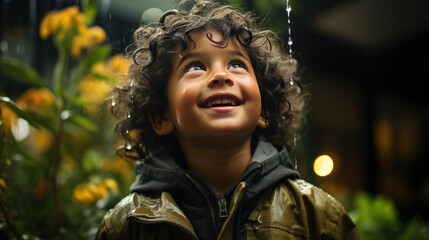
<point>231,131</point>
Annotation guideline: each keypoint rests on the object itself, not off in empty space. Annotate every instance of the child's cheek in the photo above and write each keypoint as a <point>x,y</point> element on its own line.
<point>184,102</point>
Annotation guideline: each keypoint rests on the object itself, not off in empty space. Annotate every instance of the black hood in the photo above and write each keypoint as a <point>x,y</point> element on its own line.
<point>162,173</point>
<point>199,201</point>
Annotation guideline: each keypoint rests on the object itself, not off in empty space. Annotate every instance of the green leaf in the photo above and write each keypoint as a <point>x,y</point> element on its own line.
<point>83,122</point>
<point>103,77</point>
<point>91,160</point>
<point>89,11</point>
<point>415,230</point>
<point>59,74</point>
<point>20,71</point>
<point>99,54</point>
<point>83,68</point>
<point>30,119</point>
<point>79,101</point>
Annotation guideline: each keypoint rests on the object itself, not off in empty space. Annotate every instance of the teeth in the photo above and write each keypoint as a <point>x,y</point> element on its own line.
<point>225,101</point>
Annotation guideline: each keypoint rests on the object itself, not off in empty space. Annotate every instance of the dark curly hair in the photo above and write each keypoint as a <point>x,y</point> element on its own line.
<point>144,96</point>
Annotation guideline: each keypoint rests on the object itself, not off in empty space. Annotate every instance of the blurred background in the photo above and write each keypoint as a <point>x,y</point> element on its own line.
<point>366,65</point>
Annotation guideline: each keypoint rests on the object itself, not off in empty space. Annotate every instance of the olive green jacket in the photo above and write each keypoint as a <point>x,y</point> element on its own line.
<point>291,209</point>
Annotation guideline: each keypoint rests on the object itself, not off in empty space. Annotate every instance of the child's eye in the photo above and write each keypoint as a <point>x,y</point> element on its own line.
<point>195,67</point>
<point>237,64</point>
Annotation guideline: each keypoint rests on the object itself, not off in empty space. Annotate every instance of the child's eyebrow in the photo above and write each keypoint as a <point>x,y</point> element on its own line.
<point>198,54</point>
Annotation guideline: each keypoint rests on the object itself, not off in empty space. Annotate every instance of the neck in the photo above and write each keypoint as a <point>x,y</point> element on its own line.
<point>220,163</point>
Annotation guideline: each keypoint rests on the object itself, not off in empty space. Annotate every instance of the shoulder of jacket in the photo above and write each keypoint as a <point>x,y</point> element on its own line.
<point>299,208</point>
<point>116,218</point>
<point>324,208</point>
<point>308,189</point>
<point>313,195</point>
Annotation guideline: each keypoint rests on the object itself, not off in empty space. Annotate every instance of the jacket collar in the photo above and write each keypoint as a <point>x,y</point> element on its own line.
<point>162,173</point>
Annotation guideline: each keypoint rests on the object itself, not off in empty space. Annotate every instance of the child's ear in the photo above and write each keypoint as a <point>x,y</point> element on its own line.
<point>161,125</point>
<point>262,122</point>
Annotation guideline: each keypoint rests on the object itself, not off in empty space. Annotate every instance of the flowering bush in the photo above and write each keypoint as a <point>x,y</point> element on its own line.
<point>58,168</point>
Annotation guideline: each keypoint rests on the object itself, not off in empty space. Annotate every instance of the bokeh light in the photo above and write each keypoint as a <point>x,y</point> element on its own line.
<point>323,165</point>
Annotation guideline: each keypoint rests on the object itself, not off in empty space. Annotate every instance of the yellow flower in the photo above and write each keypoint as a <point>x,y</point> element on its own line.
<point>60,20</point>
<point>79,19</point>
<point>64,20</point>
<point>99,190</point>
<point>82,29</point>
<point>101,68</point>
<point>97,34</point>
<point>117,165</point>
<point>78,43</point>
<point>88,38</point>
<point>36,100</point>
<point>90,192</point>
<point>46,26</point>
<point>7,117</point>
<point>111,184</point>
<point>94,91</point>
<point>71,12</point>
<point>82,194</point>
<point>3,183</point>
<point>42,140</point>
<point>119,64</point>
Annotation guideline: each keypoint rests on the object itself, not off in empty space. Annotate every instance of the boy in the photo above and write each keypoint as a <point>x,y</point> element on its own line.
<point>208,110</point>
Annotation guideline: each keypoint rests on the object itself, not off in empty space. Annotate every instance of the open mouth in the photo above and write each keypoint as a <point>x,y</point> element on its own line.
<point>221,101</point>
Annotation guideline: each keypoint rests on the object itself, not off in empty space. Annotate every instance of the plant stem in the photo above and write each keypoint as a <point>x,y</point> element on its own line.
<point>57,162</point>
<point>60,73</point>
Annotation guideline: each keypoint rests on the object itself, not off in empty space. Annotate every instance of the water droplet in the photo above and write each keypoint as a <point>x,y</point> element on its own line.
<point>290,42</point>
<point>293,65</point>
<point>128,115</point>
<point>288,7</point>
<point>291,81</point>
<point>128,147</point>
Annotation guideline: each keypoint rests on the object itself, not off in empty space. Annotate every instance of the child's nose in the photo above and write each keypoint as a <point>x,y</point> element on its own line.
<point>220,78</point>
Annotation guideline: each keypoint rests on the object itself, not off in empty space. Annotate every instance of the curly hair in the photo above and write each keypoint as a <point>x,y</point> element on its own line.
<point>144,96</point>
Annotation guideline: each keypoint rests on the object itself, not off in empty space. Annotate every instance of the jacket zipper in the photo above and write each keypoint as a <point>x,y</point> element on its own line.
<point>222,202</point>
<point>206,199</point>
<point>173,224</point>
<point>223,208</point>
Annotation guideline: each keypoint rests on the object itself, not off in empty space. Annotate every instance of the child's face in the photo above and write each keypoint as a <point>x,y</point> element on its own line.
<point>212,91</point>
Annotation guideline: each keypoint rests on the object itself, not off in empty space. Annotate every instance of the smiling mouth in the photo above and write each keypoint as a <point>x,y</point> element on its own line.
<point>221,101</point>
